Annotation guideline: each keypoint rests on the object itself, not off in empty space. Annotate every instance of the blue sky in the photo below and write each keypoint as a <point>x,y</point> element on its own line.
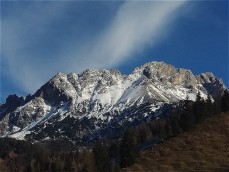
<point>42,38</point>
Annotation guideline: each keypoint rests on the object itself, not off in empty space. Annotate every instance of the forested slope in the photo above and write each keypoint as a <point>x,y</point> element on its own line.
<point>206,148</point>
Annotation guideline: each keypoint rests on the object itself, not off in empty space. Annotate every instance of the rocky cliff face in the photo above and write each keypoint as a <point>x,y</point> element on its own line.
<point>81,106</point>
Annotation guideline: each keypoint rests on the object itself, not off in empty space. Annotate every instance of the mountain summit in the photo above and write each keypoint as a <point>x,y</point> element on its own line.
<point>101,103</point>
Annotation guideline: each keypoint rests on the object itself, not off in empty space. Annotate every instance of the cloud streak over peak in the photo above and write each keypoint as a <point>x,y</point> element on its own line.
<point>35,49</point>
<point>135,26</point>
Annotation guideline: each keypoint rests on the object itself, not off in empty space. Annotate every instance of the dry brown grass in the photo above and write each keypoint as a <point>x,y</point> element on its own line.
<point>206,148</point>
<point>2,166</point>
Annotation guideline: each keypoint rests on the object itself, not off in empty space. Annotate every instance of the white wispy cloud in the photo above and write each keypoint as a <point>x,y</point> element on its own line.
<point>135,26</point>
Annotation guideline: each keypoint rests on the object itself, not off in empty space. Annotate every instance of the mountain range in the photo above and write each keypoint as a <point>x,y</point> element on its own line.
<point>102,103</point>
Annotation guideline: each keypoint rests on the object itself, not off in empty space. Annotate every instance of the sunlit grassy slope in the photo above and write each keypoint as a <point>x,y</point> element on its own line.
<point>206,148</point>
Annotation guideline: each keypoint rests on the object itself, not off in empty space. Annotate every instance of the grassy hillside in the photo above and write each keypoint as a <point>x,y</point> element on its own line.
<point>206,148</point>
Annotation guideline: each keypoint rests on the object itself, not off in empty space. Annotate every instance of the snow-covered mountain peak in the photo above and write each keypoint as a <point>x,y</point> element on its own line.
<point>98,98</point>
<point>207,77</point>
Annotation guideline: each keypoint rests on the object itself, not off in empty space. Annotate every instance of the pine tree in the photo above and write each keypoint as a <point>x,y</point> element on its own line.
<point>158,128</point>
<point>209,106</point>
<point>128,149</point>
<point>68,162</point>
<point>187,120</point>
<point>198,97</point>
<point>175,122</point>
<point>225,101</point>
<point>101,156</point>
<point>217,105</point>
<point>199,109</point>
<point>144,134</point>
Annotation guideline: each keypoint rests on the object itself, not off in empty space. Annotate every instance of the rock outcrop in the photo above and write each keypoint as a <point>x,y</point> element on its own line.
<point>88,102</point>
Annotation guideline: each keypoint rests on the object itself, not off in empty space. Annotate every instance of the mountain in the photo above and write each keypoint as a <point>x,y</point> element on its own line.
<point>101,103</point>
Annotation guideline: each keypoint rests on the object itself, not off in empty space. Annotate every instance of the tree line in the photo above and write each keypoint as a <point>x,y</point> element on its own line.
<point>111,155</point>
<point>183,118</point>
